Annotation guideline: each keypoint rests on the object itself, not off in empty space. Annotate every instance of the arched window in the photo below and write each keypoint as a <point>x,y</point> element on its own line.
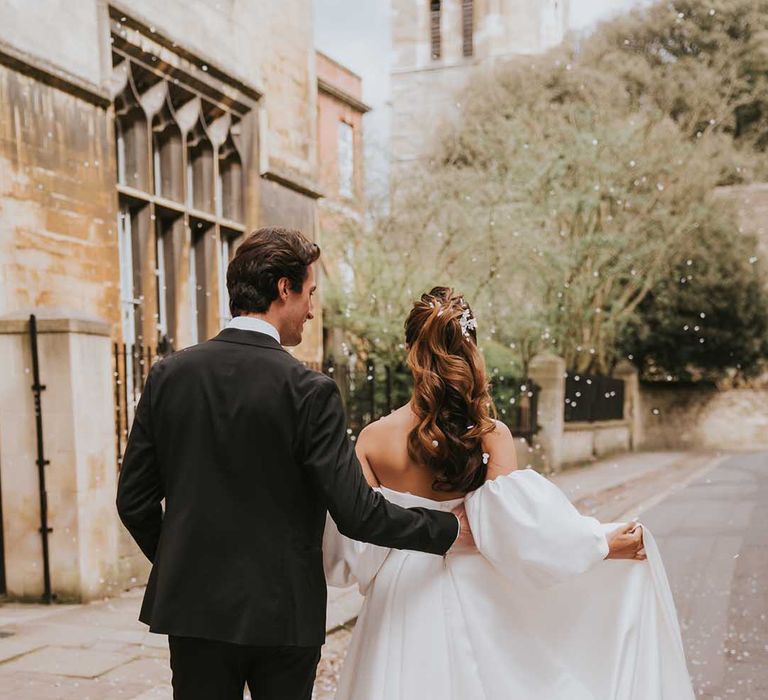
<point>180,170</point>
<point>199,169</point>
<point>230,181</point>
<point>131,141</point>
<point>434,28</point>
<point>167,156</point>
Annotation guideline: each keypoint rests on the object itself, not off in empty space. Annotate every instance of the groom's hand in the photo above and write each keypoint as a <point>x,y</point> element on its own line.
<point>465,540</point>
<point>626,542</point>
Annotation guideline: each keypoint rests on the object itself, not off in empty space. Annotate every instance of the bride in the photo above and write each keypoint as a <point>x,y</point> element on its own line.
<point>536,612</point>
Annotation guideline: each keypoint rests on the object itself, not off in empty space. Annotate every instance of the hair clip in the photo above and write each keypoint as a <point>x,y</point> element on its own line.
<point>468,322</point>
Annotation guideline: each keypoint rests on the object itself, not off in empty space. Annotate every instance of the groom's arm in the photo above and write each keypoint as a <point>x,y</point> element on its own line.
<point>359,512</point>
<point>139,487</point>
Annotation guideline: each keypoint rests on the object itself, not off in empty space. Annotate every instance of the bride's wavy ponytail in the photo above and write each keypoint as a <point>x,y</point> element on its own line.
<point>451,397</point>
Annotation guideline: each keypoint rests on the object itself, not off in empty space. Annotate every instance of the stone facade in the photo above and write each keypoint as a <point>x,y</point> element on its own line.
<point>340,111</point>
<point>438,47</point>
<point>139,142</point>
<point>339,103</point>
<point>58,167</point>
<point>79,443</point>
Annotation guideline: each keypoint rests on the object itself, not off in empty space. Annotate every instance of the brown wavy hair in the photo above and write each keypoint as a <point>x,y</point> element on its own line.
<point>451,396</point>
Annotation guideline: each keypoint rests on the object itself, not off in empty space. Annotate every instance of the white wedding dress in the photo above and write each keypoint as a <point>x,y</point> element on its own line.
<point>535,614</point>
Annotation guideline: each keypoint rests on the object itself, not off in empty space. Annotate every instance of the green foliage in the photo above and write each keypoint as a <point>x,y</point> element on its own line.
<point>707,315</point>
<point>564,197</point>
<point>592,192</point>
<point>705,64</point>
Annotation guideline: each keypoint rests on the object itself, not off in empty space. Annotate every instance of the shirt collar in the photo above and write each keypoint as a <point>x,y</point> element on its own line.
<point>250,323</point>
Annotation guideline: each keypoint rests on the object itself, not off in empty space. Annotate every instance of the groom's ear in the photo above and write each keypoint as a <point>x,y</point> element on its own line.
<point>283,288</point>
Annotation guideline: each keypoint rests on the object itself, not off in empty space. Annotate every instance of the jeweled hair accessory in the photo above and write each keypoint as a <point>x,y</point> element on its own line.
<point>468,322</point>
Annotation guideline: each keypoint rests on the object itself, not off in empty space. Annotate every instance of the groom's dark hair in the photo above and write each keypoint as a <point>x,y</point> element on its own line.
<point>261,260</point>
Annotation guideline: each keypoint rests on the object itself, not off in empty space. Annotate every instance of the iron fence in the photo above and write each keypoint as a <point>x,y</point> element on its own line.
<point>371,390</point>
<point>517,403</point>
<point>131,364</point>
<point>593,397</point>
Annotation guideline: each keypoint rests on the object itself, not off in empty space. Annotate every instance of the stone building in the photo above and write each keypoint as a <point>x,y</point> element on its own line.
<point>439,44</point>
<point>138,143</point>
<point>340,111</point>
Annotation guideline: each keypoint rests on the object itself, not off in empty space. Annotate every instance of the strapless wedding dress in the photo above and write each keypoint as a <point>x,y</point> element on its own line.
<point>534,614</point>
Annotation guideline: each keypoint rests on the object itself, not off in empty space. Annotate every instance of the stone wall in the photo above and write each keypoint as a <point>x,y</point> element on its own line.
<point>583,442</point>
<point>58,208</point>
<point>559,444</point>
<point>703,417</point>
<point>79,443</point>
<point>266,44</point>
<point>70,38</point>
<point>57,201</point>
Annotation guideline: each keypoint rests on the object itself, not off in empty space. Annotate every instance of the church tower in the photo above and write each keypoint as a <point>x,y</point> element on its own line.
<point>439,44</point>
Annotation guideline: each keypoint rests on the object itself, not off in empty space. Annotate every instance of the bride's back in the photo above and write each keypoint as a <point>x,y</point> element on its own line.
<point>382,449</point>
<point>444,442</point>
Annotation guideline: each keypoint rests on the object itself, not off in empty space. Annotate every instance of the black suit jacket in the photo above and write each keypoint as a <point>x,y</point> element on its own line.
<point>249,449</point>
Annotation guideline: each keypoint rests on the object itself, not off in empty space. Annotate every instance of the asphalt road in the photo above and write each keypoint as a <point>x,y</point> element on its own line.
<point>713,535</point>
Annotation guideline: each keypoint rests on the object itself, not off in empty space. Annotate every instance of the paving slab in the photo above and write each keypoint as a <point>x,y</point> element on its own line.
<point>33,686</point>
<point>146,670</point>
<point>156,694</point>
<point>10,648</point>
<point>66,661</point>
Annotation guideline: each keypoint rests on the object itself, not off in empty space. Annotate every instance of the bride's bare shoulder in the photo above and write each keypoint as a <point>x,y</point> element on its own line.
<point>500,446</point>
<point>382,443</point>
<point>381,431</point>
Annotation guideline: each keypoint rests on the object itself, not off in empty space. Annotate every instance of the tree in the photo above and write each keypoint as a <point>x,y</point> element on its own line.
<point>705,64</point>
<point>708,316</point>
<point>594,193</point>
<point>571,186</point>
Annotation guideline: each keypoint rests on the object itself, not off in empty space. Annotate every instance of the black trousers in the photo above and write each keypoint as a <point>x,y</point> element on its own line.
<point>204,669</point>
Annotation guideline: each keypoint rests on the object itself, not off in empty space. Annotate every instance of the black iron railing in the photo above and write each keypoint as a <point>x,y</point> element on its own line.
<point>593,397</point>
<point>131,365</point>
<point>42,462</point>
<point>517,404</point>
<point>371,390</point>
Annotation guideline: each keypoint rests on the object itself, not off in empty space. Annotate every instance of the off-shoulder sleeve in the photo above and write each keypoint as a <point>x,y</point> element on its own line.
<point>349,562</point>
<point>526,527</point>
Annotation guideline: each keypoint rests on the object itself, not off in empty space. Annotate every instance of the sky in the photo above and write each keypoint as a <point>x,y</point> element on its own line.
<point>357,33</point>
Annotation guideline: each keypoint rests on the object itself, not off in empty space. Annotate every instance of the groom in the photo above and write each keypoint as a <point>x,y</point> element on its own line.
<point>248,448</point>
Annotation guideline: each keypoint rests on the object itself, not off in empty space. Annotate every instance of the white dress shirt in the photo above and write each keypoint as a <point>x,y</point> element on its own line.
<point>251,323</point>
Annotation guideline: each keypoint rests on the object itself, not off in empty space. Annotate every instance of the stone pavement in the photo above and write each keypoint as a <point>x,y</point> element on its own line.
<point>99,651</point>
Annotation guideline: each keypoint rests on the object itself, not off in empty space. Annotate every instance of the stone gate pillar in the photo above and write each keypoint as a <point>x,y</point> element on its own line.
<point>548,371</point>
<point>75,356</point>
<point>632,409</point>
